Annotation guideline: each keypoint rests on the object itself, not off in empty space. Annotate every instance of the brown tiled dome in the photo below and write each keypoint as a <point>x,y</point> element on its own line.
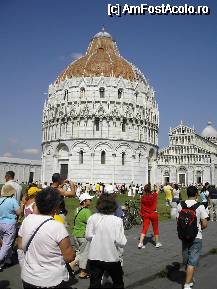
<point>102,58</point>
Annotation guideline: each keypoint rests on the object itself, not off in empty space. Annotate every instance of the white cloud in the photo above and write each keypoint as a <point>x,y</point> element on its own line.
<point>72,56</point>
<point>8,155</point>
<point>12,141</point>
<point>62,57</point>
<point>30,151</point>
<point>76,55</point>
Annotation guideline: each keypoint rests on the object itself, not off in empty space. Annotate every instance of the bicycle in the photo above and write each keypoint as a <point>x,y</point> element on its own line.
<point>131,215</point>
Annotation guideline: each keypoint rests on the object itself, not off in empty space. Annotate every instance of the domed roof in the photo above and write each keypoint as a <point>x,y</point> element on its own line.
<point>209,131</point>
<point>103,33</point>
<point>102,58</point>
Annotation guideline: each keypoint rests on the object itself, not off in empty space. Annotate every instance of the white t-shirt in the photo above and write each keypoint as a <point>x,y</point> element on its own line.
<point>134,190</point>
<point>176,193</point>
<point>17,187</point>
<point>106,236</point>
<point>140,189</point>
<point>43,263</point>
<point>200,213</point>
<point>78,191</point>
<point>130,192</point>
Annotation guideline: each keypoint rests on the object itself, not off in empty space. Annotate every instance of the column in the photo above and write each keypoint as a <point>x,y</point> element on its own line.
<point>72,127</point>
<point>42,168</point>
<point>114,162</point>
<point>92,166</point>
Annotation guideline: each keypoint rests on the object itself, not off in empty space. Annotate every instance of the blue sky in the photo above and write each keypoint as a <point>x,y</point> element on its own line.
<point>39,38</point>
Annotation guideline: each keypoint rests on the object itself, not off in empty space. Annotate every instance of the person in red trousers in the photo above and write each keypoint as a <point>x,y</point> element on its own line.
<point>148,212</point>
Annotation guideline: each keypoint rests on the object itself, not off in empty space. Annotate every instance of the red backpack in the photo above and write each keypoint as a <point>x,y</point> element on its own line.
<point>187,222</point>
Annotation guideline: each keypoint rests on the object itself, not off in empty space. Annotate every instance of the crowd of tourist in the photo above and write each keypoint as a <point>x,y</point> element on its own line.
<point>35,223</point>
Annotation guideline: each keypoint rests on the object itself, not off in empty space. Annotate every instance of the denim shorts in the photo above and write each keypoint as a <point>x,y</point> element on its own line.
<point>191,252</point>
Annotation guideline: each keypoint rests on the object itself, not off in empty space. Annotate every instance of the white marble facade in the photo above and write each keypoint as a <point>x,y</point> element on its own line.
<point>189,158</point>
<point>25,170</point>
<point>100,127</point>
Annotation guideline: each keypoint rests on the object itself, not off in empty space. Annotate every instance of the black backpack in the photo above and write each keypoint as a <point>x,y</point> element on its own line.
<point>187,223</point>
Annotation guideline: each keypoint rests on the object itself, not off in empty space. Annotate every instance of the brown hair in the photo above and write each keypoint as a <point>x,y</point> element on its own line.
<point>147,189</point>
<point>106,204</point>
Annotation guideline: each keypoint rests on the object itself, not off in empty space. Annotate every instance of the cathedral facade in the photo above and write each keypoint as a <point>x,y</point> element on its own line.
<point>190,158</point>
<point>100,120</point>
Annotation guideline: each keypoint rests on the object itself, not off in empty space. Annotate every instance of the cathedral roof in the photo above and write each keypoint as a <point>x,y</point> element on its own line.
<point>102,58</point>
<point>209,131</point>
<point>19,161</point>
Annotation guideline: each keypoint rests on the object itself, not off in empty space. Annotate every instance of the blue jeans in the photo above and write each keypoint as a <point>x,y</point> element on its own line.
<point>191,252</point>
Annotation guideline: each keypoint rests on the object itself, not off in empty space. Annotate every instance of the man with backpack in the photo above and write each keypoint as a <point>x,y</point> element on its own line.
<point>191,220</point>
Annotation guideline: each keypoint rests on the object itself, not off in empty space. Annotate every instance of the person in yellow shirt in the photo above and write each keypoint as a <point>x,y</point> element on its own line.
<point>97,189</point>
<point>168,191</point>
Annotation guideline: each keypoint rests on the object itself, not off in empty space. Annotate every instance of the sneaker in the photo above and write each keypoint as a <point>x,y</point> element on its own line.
<point>1,268</point>
<point>192,283</point>
<point>158,245</point>
<point>141,246</point>
<point>187,286</point>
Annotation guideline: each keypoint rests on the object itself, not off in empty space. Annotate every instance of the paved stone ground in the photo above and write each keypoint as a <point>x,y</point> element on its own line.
<point>141,267</point>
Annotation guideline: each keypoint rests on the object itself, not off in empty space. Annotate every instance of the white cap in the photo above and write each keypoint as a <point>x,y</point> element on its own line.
<point>85,196</point>
<point>109,189</point>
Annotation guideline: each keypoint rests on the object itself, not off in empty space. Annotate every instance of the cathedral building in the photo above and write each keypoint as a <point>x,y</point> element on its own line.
<point>189,158</point>
<point>100,120</point>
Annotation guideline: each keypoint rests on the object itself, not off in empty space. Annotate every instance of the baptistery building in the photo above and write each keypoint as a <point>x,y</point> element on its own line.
<point>100,120</point>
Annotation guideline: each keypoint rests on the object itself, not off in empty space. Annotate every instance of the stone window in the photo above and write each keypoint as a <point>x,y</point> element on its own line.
<point>103,157</point>
<point>97,123</point>
<point>136,95</point>
<point>82,92</point>
<point>139,157</point>
<point>123,158</point>
<point>124,125</point>
<point>102,92</point>
<point>120,92</point>
<point>81,157</point>
<point>66,93</point>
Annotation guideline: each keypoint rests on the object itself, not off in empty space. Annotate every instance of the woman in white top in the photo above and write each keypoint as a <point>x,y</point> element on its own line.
<point>43,262</point>
<point>176,194</point>
<point>105,233</point>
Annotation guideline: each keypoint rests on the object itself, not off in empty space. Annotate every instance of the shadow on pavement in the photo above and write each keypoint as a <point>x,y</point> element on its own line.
<point>72,281</point>
<point>149,239</point>
<point>175,273</point>
<point>4,284</point>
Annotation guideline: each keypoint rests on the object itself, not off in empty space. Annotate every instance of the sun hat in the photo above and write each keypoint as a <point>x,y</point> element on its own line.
<point>85,196</point>
<point>32,191</point>
<point>8,191</point>
<point>109,189</point>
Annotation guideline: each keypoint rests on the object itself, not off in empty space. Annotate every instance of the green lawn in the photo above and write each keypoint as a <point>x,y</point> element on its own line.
<point>163,210</point>
<point>72,204</point>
